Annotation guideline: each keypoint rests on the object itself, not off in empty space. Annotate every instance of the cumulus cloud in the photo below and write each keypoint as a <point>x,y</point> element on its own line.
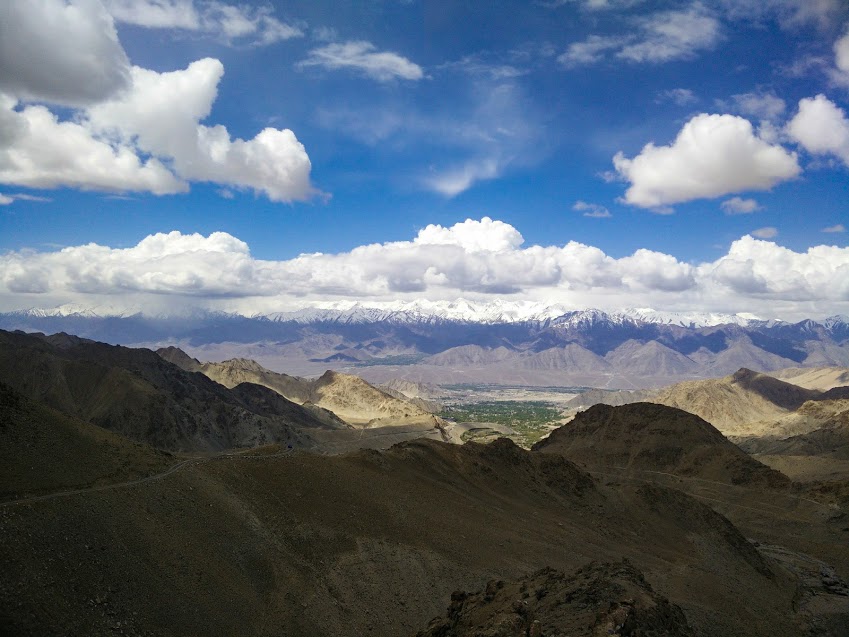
<point>363,57</point>
<point>229,23</point>
<point>739,206</point>
<point>713,155</point>
<point>135,130</point>
<point>148,138</point>
<point>472,235</point>
<point>480,259</point>
<point>821,127</point>
<point>837,228</point>
<point>764,269</point>
<point>593,210</point>
<point>39,151</point>
<point>161,115</point>
<point>64,52</point>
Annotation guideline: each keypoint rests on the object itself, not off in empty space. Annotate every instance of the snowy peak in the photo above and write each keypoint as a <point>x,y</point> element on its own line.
<point>436,312</point>
<point>423,311</point>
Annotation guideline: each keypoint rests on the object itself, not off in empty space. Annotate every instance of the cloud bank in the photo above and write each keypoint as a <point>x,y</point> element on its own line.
<point>477,259</point>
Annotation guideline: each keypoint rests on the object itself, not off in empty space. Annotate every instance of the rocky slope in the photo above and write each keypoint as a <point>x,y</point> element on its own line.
<point>349,397</point>
<point>656,438</point>
<point>819,378</point>
<point>44,451</point>
<point>138,394</point>
<point>371,543</point>
<point>736,403</point>
<point>598,599</point>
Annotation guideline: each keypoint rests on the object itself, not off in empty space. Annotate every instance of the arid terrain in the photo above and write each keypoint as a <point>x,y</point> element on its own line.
<point>641,517</point>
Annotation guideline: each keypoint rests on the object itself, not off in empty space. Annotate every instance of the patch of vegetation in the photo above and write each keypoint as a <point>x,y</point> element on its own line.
<point>531,420</point>
<point>485,387</point>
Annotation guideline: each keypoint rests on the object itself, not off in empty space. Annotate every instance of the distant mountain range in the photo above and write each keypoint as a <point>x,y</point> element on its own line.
<point>502,342</point>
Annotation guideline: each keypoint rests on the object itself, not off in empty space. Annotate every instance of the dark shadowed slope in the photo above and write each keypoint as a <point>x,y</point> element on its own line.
<point>43,451</point>
<point>647,436</point>
<point>371,543</point>
<point>140,395</point>
<point>598,599</point>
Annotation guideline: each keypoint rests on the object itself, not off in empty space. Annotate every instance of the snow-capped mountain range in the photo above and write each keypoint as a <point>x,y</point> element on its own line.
<point>464,341</point>
<point>423,311</point>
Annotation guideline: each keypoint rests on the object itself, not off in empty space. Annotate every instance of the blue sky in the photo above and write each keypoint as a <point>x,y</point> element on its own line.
<point>700,148</point>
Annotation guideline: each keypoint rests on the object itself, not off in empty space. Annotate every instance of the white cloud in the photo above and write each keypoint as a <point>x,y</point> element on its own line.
<point>837,228</point>
<point>590,50</point>
<point>739,206</point>
<point>680,96</point>
<point>64,52</point>
<point>137,130</point>
<point>39,151</point>
<point>673,35</point>
<point>473,236</point>
<point>761,269</point>
<point>161,115</point>
<point>231,23</point>
<point>593,210</point>
<point>660,37</point>
<point>125,143</point>
<point>479,259</point>
<point>5,200</point>
<point>841,53</point>
<point>458,179</point>
<point>595,5</point>
<point>821,127</point>
<point>383,66</point>
<point>790,14</point>
<point>765,233</point>
<point>713,155</point>
<point>766,106</point>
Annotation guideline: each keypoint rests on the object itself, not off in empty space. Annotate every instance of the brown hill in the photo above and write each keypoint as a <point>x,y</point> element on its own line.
<point>598,599</point>
<point>43,451</point>
<point>656,438</point>
<point>819,378</point>
<point>735,404</point>
<point>142,396</point>
<point>356,401</point>
<point>242,370</point>
<point>349,397</point>
<point>369,544</point>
